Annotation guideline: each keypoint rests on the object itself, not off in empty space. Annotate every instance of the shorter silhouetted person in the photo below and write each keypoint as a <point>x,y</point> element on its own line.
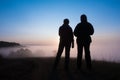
<point>82,31</point>
<point>66,40</point>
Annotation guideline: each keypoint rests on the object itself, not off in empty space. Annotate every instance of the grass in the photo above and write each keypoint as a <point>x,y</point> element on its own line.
<point>41,69</point>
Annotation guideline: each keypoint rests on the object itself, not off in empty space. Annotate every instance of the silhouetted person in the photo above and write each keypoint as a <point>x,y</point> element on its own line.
<point>66,40</point>
<point>82,31</point>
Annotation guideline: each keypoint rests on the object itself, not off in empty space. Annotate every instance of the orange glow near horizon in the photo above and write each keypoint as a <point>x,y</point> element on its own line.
<point>49,41</point>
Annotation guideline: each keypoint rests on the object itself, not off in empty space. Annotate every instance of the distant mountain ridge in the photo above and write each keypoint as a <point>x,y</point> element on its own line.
<point>8,44</point>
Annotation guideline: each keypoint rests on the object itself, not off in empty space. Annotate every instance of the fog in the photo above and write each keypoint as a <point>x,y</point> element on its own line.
<point>28,51</point>
<point>106,52</point>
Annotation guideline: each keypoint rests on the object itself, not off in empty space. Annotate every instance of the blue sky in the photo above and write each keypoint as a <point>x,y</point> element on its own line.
<point>37,21</point>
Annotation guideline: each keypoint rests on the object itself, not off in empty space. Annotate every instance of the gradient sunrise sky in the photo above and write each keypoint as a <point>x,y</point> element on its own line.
<point>38,21</point>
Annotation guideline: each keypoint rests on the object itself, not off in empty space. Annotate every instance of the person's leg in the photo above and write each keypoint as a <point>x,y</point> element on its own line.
<point>60,50</point>
<point>87,55</point>
<point>79,55</point>
<point>67,56</point>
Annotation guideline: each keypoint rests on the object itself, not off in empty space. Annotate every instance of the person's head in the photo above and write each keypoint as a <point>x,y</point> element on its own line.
<point>83,18</point>
<point>66,21</point>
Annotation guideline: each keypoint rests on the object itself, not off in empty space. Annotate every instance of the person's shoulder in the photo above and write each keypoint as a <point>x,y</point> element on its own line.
<point>79,24</point>
<point>89,23</point>
<point>61,26</point>
<point>69,27</point>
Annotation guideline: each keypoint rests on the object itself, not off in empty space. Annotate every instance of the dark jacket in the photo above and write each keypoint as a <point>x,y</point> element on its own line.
<point>83,31</point>
<point>66,33</point>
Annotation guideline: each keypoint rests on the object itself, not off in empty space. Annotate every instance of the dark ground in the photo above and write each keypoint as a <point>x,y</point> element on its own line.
<point>41,69</point>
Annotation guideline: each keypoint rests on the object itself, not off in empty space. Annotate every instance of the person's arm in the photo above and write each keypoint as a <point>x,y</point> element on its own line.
<point>59,32</point>
<point>72,39</point>
<point>76,31</point>
<point>91,29</point>
<point>73,43</point>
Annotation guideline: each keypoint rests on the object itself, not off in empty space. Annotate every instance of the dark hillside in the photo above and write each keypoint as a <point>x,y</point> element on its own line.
<point>8,44</point>
<point>41,69</point>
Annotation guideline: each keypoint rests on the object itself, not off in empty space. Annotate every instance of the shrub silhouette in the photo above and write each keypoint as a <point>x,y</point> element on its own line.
<point>21,53</point>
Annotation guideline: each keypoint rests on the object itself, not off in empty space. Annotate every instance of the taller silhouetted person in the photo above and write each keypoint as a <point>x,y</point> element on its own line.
<point>82,31</point>
<point>66,40</point>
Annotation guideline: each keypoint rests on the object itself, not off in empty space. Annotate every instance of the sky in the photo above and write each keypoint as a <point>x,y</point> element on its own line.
<point>38,21</point>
